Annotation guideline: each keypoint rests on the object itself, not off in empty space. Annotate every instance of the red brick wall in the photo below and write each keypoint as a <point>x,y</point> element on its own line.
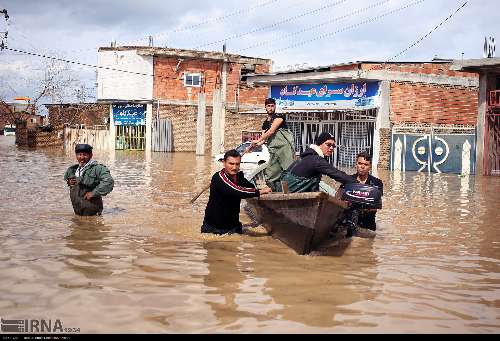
<point>88,114</point>
<point>169,84</point>
<point>183,118</point>
<point>385,148</point>
<point>421,68</point>
<point>236,123</point>
<point>349,67</point>
<point>425,103</point>
<point>26,136</point>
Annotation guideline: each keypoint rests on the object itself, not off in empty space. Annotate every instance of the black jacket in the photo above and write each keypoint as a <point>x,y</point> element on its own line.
<point>223,208</point>
<point>367,219</point>
<point>312,165</point>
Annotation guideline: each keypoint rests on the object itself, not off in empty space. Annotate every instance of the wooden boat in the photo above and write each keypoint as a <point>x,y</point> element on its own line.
<point>300,220</point>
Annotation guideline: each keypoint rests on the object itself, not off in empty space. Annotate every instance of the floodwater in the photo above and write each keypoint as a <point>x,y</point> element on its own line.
<point>143,267</point>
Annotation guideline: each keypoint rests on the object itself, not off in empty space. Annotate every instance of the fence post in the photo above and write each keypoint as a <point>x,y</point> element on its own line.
<point>112,137</point>
<point>216,123</point>
<point>149,118</point>
<point>200,125</point>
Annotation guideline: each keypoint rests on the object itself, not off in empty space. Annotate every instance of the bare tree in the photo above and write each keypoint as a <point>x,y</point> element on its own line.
<point>58,86</point>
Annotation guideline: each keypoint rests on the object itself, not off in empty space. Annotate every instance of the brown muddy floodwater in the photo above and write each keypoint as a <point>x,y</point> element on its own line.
<point>143,267</point>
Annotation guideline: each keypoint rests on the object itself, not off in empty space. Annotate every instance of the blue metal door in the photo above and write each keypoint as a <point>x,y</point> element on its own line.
<point>438,153</point>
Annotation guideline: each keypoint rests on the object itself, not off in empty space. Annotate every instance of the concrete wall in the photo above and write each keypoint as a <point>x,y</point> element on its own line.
<point>116,85</point>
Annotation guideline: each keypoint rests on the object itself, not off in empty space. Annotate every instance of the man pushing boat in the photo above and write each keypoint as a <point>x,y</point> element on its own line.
<point>227,188</point>
<point>304,175</point>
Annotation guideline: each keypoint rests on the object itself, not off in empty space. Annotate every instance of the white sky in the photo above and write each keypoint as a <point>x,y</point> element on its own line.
<point>316,32</point>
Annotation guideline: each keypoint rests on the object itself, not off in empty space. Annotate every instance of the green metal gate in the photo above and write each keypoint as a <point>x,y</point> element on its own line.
<point>130,137</point>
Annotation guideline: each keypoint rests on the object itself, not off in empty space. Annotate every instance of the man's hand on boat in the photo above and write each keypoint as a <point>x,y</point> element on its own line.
<point>265,190</point>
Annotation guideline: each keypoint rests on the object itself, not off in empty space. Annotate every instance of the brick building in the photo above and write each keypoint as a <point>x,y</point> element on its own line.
<point>488,112</point>
<point>81,114</point>
<point>12,113</point>
<point>410,116</point>
<point>196,96</point>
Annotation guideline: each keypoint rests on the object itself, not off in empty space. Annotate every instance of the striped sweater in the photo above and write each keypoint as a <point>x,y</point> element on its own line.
<point>223,207</point>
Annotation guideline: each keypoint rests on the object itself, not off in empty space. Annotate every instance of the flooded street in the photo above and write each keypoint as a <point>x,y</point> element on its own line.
<point>144,267</point>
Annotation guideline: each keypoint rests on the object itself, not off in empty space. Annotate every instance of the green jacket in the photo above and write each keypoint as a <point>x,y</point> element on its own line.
<point>96,179</point>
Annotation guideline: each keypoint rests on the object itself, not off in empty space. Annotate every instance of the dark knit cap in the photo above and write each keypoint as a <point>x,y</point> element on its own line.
<point>324,136</point>
<point>270,101</point>
<point>83,148</point>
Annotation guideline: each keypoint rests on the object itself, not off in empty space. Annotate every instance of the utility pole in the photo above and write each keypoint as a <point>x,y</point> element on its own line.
<point>3,35</point>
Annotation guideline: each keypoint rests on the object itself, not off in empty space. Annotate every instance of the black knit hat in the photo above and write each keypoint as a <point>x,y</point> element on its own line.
<point>324,136</point>
<point>83,148</point>
<point>270,101</point>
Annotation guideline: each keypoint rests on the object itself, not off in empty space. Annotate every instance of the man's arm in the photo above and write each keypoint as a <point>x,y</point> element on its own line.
<point>267,134</point>
<point>222,184</point>
<point>106,182</point>
<point>325,168</point>
<point>69,177</point>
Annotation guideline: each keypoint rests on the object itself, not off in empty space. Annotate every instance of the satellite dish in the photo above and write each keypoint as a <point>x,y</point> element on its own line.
<point>489,47</point>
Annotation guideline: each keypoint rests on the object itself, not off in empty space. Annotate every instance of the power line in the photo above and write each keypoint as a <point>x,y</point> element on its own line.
<point>289,19</point>
<point>219,19</point>
<point>76,62</point>
<point>429,33</point>
<point>194,26</point>
<point>86,65</point>
<point>267,42</point>
<point>326,35</point>
<point>3,39</point>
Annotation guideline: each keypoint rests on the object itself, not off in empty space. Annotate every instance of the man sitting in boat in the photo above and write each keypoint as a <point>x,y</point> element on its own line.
<point>304,175</point>
<point>227,188</point>
<point>366,217</point>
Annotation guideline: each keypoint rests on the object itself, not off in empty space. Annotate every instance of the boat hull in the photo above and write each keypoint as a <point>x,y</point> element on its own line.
<point>300,220</point>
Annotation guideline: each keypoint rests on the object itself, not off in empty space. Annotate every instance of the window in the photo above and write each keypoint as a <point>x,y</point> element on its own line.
<point>192,79</point>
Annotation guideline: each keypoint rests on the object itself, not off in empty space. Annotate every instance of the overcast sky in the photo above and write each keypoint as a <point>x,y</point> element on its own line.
<point>290,32</point>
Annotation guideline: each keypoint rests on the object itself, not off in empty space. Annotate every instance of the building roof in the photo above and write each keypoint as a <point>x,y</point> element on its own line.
<point>189,54</point>
<point>341,73</point>
<point>69,103</point>
<point>328,67</point>
<point>475,65</point>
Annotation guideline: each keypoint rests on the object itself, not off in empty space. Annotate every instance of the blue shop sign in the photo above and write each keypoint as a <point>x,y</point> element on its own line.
<point>341,95</point>
<point>129,114</point>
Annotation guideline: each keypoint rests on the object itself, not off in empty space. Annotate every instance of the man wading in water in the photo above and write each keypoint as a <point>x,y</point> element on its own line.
<point>89,181</point>
<point>227,188</point>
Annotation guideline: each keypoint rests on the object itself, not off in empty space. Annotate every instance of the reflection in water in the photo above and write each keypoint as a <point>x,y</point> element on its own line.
<point>144,267</point>
<point>88,240</point>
